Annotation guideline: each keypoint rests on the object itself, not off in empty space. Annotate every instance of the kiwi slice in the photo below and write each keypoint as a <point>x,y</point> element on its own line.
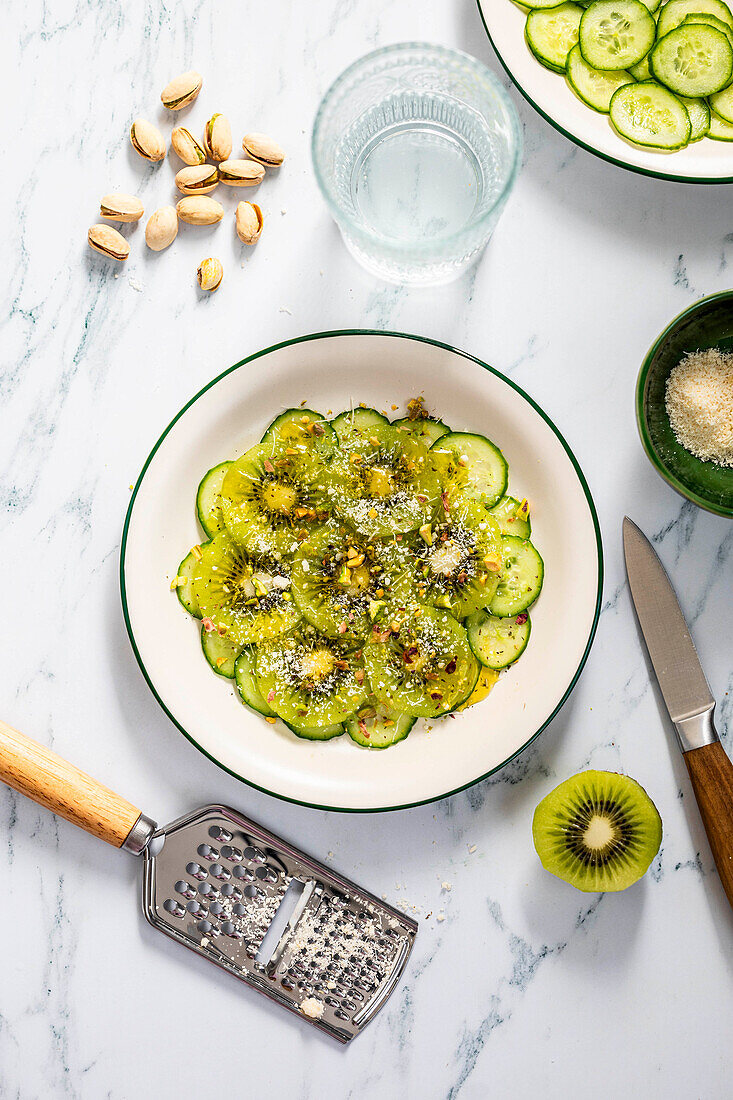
<point>308,678</point>
<point>385,483</point>
<point>599,831</point>
<point>342,581</point>
<point>458,559</point>
<point>270,497</point>
<point>422,664</point>
<point>246,597</point>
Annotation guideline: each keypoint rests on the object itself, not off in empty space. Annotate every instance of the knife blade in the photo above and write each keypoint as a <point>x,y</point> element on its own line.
<point>686,694</point>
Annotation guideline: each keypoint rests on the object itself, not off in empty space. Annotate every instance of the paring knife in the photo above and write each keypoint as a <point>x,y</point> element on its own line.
<point>686,693</point>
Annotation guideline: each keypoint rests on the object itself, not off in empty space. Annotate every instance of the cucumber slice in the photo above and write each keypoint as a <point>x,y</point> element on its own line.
<point>722,104</point>
<point>315,733</point>
<point>693,60</point>
<point>269,499</point>
<point>594,86</point>
<point>248,595</point>
<point>297,427</point>
<point>649,114</point>
<point>498,642</point>
<point>379,727</point>
<point>710,21</point>
<point>521,578</point>
<point>552,33</point>
<point>208,499</point>
<point>673,13</point>
<point>244,674</point>
<point>720,130</point>
<point>699,113</point>
<point>471,465</point>
<point>386,485</point>
<point>184,582</point>
<point>512,518</point>
<point>616,33</point>
<point>425,667</point>
<point>220,651</point>
<point>457,559</point>
<point>426,430</point>
<point>354,426</point>
<point>652,5</point>
<point>310,681</point>
<point>641,71</point>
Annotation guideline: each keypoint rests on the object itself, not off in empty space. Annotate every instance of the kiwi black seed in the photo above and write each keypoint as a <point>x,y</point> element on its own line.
<point>599,831</point>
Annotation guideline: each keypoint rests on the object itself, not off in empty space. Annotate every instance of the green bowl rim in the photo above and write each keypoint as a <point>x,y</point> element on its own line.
<point>512,385</point>
<point>618,161</point>
<point>641,419</point>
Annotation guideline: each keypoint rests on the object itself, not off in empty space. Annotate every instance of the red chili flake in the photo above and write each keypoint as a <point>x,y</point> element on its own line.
<point>359,675</point>
<point>421,499</point>
<point>521,618</point>
<point>451,666</point>
<point>318,429</point>
<point>362,727</point>
<point>435,695</point>
<point>270,695</point>
<point>268,466</point>
<point>208,626</point>
<point>444,498</point>
<point>343,627</point>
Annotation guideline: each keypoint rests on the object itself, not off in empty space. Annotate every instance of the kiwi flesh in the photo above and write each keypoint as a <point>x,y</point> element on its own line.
<point>598,831</point>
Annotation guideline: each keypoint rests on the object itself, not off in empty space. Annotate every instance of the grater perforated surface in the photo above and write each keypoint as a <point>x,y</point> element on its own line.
<point>216,884</point>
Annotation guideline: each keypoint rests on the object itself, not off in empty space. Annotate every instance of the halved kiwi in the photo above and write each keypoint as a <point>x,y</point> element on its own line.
<point>308,678</point>
<point>270,498</point>
<point>341,580</point>
<point>422,664</point>
<point>458,559</point>
<point>599,831</point>
<point>247,597</point>
<point>385,484</point>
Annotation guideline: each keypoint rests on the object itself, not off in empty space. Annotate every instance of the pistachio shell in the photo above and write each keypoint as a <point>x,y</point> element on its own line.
<point>147,140</point>
<point>186,146</point>
<point>248,222</point>
<point>210,274</point>
<point>119,207</point>
<point>200,179</point>
<point>218,137</point>
<point>241,173</point>
<point>162,228</point>
<point>200,210</point>
<point>263,149</point>
<point>182,90</point>
<point>105,239</point>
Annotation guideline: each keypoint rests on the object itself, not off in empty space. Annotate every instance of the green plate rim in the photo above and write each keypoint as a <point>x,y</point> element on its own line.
<point>641,418</point>
<point>403,336</point>
<point>590,148</point>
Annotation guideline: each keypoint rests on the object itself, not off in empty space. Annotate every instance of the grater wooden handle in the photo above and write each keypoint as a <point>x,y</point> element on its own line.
<point>48,779</point>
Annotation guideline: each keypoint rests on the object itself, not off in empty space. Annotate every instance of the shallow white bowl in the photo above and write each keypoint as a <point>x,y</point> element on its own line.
<point>704,161</point>
<point>330,371</point>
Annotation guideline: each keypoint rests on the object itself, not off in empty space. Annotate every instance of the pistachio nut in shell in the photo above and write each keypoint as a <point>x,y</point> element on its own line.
<point>119,207</point>
<point>210,274</point>
<point>263,149</point>
<point>162,228</point>
<point>199,179</point>
<point>248,220</point>
<point>182,90</point>
<point>105,239</point>
<point>199,210</point>
<point>241,173</point>
<point>186,146</point>
<point>147,140</point>
<point>218,137</point>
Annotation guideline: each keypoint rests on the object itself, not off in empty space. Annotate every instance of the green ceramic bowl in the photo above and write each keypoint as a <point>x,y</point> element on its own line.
<point>707,324</point>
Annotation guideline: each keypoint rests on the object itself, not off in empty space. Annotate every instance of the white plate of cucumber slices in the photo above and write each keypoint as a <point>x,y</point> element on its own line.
<point>645,84</point>
<point>328,373</point>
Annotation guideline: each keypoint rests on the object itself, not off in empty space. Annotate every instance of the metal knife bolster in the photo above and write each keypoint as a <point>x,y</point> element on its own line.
<point>696,730</point>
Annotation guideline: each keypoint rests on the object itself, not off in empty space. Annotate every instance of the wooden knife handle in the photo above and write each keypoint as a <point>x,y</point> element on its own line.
<point>51,781</point>
<point>711,774</point>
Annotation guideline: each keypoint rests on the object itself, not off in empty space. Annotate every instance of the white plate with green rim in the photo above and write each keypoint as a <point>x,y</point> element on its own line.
<point>331,371</point>
<point>704,161</point>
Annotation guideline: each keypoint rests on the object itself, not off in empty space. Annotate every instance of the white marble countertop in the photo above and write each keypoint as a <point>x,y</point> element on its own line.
<point>526,987</point>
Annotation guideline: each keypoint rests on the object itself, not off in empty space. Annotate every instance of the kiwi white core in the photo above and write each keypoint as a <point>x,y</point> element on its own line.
<point>599,834</point>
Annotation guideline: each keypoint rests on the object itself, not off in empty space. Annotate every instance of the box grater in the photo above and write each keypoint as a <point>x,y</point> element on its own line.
<point>215,881</point>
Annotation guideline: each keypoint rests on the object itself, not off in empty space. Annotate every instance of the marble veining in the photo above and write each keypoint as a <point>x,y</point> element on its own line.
<point>518,985</point>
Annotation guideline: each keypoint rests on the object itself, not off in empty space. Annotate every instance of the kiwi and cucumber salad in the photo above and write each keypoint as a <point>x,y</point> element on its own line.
<point>359,573</point>
<point>661,71</point>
